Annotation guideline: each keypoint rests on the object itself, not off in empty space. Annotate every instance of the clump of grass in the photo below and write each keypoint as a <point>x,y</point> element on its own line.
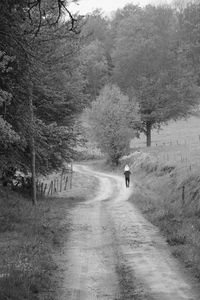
<point>148,163</point>
<point>29,237</point>
<point>177,218</point>
<point>26,246</point>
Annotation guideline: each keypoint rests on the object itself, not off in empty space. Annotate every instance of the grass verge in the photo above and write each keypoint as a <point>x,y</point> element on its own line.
<point>160,200</point>
<point>30,237</point>
<point>27,236</point>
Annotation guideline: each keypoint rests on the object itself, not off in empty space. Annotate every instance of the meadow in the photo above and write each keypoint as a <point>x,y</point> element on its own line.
<point>176,132</point>
<point>177,143</point>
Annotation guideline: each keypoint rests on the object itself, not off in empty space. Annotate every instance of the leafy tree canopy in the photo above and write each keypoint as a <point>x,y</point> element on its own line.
<point>148,65</point>
<point>111,119</point>
<point>39,61</point>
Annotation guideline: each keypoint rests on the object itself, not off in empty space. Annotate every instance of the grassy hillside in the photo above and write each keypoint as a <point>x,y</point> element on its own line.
<point>183,132</point>
<point>177,143</point>
<point>167,187</point>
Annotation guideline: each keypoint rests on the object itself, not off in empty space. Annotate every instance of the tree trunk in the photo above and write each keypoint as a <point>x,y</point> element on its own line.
<point>32,147</point>
<point>34,200</point>
<point>148,133</point>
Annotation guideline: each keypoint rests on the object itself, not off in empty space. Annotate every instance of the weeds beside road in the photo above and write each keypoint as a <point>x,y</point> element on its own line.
<point>159,196</point>
<point>29,238</point>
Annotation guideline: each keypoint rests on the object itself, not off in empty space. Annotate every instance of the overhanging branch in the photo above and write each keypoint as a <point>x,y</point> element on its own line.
<point>60,5</point>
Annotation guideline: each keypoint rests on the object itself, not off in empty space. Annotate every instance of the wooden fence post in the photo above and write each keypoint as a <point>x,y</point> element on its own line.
<point>45,187</point>
<point>71,176</point>
<point>41,189</point>
<point>57,185</point>
<point>61,179</point>
<point>66,180</point>
<point>183,195</point>
<point>54,183</point>
<point>70,183</point>
<point>50,188</point>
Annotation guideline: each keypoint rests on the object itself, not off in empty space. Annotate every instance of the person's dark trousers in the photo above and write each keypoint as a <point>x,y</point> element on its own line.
<point>127,181</point>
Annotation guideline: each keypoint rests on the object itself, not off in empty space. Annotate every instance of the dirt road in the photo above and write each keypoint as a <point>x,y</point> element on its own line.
<point>113,253</point>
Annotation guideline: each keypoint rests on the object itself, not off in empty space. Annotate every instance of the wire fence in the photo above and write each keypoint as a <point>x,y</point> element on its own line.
<point>167,141</point>
<point>184,154</point>
<point>55,183</point>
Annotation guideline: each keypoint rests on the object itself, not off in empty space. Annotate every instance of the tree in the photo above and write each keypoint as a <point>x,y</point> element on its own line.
<point>94,67</point>
<point>148,65</point>
<point>111,118</point>
<point>189,23</point>
<point>38,73</point>
<point>58,93</point>
<point>96,27</point>
<point>95,58</point>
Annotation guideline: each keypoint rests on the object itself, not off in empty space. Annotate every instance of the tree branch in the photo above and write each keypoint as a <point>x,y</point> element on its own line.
<point>60,4</point>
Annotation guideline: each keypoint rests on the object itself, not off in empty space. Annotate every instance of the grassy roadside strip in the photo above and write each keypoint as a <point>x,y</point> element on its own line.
<point>160,200</point>
<point>29,238</point>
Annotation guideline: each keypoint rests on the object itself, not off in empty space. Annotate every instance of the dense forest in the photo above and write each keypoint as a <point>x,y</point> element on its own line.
<point>142,62</point>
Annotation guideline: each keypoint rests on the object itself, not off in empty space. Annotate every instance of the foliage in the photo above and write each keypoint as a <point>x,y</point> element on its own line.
<point>27,264</point>
<point>38,62</point>
<point>148,64</point>
<point>94,67</point>
<point>189,23</point>
<point>96,27</point>
<point>95,58</point>
<point>151,53</point>
<point>110,118</point>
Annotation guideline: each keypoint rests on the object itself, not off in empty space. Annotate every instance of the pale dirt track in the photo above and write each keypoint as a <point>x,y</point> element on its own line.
<point>114,253</point>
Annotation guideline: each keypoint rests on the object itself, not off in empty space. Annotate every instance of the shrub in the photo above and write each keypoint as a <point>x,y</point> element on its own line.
<point>111,116</point>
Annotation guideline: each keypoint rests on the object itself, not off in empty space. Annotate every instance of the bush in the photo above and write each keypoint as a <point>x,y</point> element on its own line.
<point>111,116</point>
<point>144,161</point>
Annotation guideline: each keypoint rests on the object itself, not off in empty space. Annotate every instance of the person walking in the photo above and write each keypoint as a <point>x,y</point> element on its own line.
<point>127,173</point>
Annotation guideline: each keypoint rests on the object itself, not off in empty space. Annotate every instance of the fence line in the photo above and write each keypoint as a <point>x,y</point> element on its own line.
<point>170,142</point>
<point>61,182</point>
<point>181,162</point>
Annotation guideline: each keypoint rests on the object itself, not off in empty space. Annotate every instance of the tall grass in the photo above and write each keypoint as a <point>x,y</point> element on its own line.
<point>26,240</point>
<point>160,197</point>
<point>31,236</point>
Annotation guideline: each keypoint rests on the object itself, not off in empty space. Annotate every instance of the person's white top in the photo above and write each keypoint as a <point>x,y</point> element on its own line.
<point>126,168</point>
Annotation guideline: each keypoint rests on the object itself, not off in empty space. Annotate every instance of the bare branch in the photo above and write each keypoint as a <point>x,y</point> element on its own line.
<point>73,20</point>
<point>60,4</point>
<point>40,18</point>
<point>32,5</point>
<point>59,12</point>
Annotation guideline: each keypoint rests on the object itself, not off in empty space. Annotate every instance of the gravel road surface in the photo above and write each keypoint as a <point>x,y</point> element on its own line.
<point>114,253</point>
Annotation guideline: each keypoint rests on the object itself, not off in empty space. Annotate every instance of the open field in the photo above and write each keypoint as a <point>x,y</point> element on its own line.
<point>180,132</point>
<point>177,143</point>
